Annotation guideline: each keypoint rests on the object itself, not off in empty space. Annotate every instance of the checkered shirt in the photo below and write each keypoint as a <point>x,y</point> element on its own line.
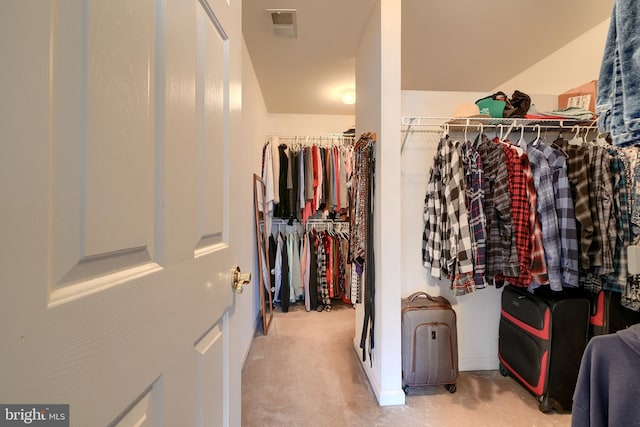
<point>520,213</point>
<point>543,180</point>
<point>474,177</point>
<point>579,182</point>
<point>502,257</point>
<point>566,215</point>
<point>538,262</point>
<point>617,281</point>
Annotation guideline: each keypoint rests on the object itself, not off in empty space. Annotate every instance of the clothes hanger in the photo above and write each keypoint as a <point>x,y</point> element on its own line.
<point>597,137</point>
<point>506,135</point>
<point>536,141</point>
<point>520,145</point>
<point>576,140</point>
<point>446,130</point>
<point>499,127</point>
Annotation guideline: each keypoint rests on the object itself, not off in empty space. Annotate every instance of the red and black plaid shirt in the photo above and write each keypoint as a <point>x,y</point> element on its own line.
<point>520,212</point>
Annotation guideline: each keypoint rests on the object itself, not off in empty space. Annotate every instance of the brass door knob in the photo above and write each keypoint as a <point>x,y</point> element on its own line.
<point>238,279</point>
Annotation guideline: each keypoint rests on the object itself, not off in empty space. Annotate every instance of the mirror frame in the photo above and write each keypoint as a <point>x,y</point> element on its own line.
<point>262,246</point>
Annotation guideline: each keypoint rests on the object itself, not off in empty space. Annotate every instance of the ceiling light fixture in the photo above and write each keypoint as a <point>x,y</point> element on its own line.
<point>348,96</point>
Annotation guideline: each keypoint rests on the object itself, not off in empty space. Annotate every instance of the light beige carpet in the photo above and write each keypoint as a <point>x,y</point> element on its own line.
<point>306,373</point>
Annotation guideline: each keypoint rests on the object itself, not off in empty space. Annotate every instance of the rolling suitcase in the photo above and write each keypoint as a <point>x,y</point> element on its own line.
<point>608,315</point>
<point>541,340</point>
<point>429,342</point>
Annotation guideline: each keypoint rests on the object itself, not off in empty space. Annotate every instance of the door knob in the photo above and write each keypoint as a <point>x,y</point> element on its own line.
<point>238,279</point>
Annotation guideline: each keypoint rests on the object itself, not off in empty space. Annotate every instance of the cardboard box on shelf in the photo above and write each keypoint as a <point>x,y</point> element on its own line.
<point>582,96</point>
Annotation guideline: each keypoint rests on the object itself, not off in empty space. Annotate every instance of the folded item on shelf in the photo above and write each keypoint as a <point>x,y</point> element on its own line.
<point>574,113</point>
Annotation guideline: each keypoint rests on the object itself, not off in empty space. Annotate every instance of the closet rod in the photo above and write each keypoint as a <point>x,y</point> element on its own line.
<point>437,124</point>
<point>317,136</point>
<point>412,122</point>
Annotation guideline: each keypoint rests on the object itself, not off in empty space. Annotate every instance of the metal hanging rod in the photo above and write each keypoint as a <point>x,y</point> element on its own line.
<point>328,136</point>
<point>490,121</point>
<point>327,225</point>
<point>437,124</point>
<point>310,140</point>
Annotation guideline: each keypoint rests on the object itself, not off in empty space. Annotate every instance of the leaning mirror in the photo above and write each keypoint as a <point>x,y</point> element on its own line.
<point>262,243</point>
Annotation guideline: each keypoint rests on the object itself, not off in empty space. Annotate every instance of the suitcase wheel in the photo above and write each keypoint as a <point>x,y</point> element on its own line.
<point>451,388</point>
<point>503,371</point>
<point>545,407</point>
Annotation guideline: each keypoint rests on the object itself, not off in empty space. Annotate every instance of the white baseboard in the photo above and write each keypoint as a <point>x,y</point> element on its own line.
<point>245,353</point>
<point>384,397</point>
<point>478,364</point>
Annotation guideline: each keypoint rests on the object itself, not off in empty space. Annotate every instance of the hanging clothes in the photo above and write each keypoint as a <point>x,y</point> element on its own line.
<point>311,178</point>
<point>319,181</point>
<point>361,229</point>
<point>295,279</point>
<point>564,210</point>
<point>570,210</point>
<point>275,170</point>
<point>546,207</point>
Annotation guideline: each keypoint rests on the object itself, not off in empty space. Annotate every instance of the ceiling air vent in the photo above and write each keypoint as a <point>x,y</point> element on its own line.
<point>284,22</point>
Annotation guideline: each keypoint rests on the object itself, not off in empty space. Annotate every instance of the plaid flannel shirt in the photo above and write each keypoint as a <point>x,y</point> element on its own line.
<point>502,257</point>
<point>433,231</point>
<point>543,179</point>
<point>461,259</point>
<point>474,178</point>
<point>446,236</point>
<point>538,262</point>
<point>520,214</point>
<point>601,191</point>
<point>579,181</point>
<point>617,281</point>
<point>566,215</point>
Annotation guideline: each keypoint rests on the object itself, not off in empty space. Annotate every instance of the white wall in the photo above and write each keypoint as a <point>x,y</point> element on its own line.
<point>308,124</point>
<point>254,117</point>
<point>572,65</point>
<point>443,104</point>
<point>378,110</point>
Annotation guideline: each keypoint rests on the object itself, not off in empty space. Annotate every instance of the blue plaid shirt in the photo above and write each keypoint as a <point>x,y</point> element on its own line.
<point>543,180</point>
<point>474,178</point>
<point>565,213</point>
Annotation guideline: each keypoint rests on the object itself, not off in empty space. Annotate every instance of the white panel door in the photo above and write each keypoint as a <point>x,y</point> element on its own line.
<point>117,120</point>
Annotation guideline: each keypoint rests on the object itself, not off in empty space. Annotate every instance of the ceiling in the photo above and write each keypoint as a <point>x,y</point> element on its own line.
<point>464,45</point>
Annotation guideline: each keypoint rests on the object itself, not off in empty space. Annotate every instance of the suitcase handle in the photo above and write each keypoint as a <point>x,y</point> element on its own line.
<point>415,295</point>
